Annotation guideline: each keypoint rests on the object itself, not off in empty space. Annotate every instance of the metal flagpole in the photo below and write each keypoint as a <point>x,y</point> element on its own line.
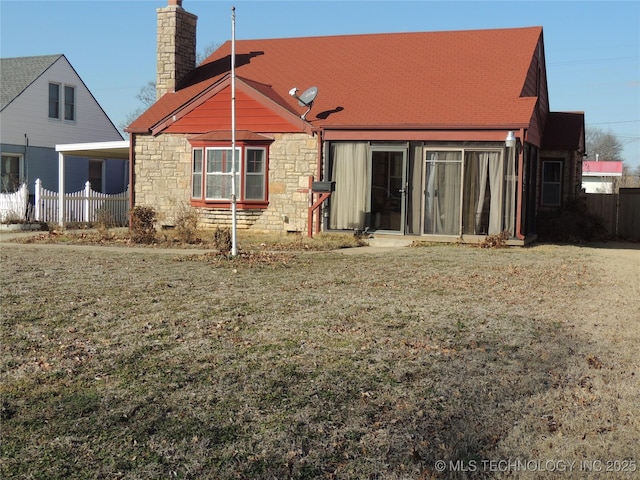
<point>234,247</point>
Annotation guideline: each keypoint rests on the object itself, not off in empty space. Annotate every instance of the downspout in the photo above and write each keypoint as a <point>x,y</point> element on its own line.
<point>131,173</point>
<point>25,162</point>
<point>520,186</point>
<point>319,177</point>
<point>319,159</point>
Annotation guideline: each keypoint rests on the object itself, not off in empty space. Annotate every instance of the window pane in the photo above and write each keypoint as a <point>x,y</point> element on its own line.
<point>197,161</point>
<point>254,187</point>
<point>214,161</point>
<point>551,171</point>
<point>54,100</point>
<point>255,162</point>
<point>551,194</point>
<point>10,173</point>
<point>69,103</point>
<point>227,156</point>
<point>197,185</point>
<point>214,186</point>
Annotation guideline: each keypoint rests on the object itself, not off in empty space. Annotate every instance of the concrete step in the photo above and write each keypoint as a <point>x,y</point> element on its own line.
<point>379,240</point>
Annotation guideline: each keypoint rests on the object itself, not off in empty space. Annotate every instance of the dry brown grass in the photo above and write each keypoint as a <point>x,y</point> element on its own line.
<point>283,365</point>
<point>188,237</point>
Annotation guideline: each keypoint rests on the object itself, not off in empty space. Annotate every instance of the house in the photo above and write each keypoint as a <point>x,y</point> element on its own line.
<point>45,103</point>
<point>599,176</point>
<point>442,135</point>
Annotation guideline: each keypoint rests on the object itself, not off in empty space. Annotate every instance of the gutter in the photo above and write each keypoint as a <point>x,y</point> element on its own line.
<point>426,126</point>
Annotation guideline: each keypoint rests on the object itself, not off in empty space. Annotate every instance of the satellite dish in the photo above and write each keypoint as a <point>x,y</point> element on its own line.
<point>306,99</point>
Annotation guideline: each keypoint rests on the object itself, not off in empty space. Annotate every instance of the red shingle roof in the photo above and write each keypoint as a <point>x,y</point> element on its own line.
<point>456,79</point>
<point>564,130</point>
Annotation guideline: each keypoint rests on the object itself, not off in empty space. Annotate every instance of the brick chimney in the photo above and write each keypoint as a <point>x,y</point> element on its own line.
<point>176,50</point>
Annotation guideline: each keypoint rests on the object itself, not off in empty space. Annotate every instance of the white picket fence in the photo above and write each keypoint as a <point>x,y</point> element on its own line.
<point>13,206</point>
<point>85,206</point>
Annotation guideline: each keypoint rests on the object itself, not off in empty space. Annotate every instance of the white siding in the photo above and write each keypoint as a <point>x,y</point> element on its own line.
<point>29,113</point>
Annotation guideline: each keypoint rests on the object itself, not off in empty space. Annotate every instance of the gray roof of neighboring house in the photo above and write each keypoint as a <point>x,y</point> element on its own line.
<point>16,74</point>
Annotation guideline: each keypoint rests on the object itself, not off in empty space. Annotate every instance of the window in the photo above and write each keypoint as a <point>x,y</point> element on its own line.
<point>196,175</point>
<point>254,174</point>
<point>54,100</point>
<point>69,103</point>
<point>551,183</point>
<point>211,175</point>
<point>10,172</point>
<point>218,174</point>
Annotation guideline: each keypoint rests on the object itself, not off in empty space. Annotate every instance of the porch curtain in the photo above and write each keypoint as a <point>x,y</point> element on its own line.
<point>351,174</point>
<point>476,170</point>
<point>480,167</point>
<point>483,169</point>
<point>496,184</point>
<point>510,194</point>
<point>442,196</point>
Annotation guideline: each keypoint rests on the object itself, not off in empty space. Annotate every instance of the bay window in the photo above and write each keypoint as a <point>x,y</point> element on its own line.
<point>211,170</point>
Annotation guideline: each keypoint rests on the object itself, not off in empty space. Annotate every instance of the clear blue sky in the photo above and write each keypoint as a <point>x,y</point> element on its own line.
<point>592,48</point>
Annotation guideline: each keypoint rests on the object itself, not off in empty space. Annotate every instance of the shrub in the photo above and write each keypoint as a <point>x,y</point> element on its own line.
<point>572,224</point>
<point>104,221</point>
<point>143,221</point>
<point>186,225</point>
<point>222,239</point>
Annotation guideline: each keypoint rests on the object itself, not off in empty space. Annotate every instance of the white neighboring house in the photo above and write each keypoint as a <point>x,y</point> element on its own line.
<point>44,103</point>
<point>598,176</point>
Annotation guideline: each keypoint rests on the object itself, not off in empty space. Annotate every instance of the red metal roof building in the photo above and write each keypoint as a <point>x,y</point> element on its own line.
<point>411,127</point>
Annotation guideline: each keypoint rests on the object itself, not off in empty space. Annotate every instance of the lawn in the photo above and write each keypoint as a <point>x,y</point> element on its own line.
<point>320,364</point>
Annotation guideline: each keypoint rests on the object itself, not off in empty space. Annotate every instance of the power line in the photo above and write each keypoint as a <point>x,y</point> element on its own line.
<point>612,123</point>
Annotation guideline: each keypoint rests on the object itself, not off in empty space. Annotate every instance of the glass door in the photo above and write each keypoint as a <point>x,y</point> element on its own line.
<point>442,193</point>
<point>388,189</point>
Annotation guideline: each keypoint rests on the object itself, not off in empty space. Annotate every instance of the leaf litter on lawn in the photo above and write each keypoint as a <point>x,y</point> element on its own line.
<point>292,365</point>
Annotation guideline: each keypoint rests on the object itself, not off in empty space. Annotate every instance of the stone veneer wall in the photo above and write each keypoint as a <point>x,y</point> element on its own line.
<point>162,170</point>
<point>176,46</point>
<point>292,159</point>
<point>163,181</point>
